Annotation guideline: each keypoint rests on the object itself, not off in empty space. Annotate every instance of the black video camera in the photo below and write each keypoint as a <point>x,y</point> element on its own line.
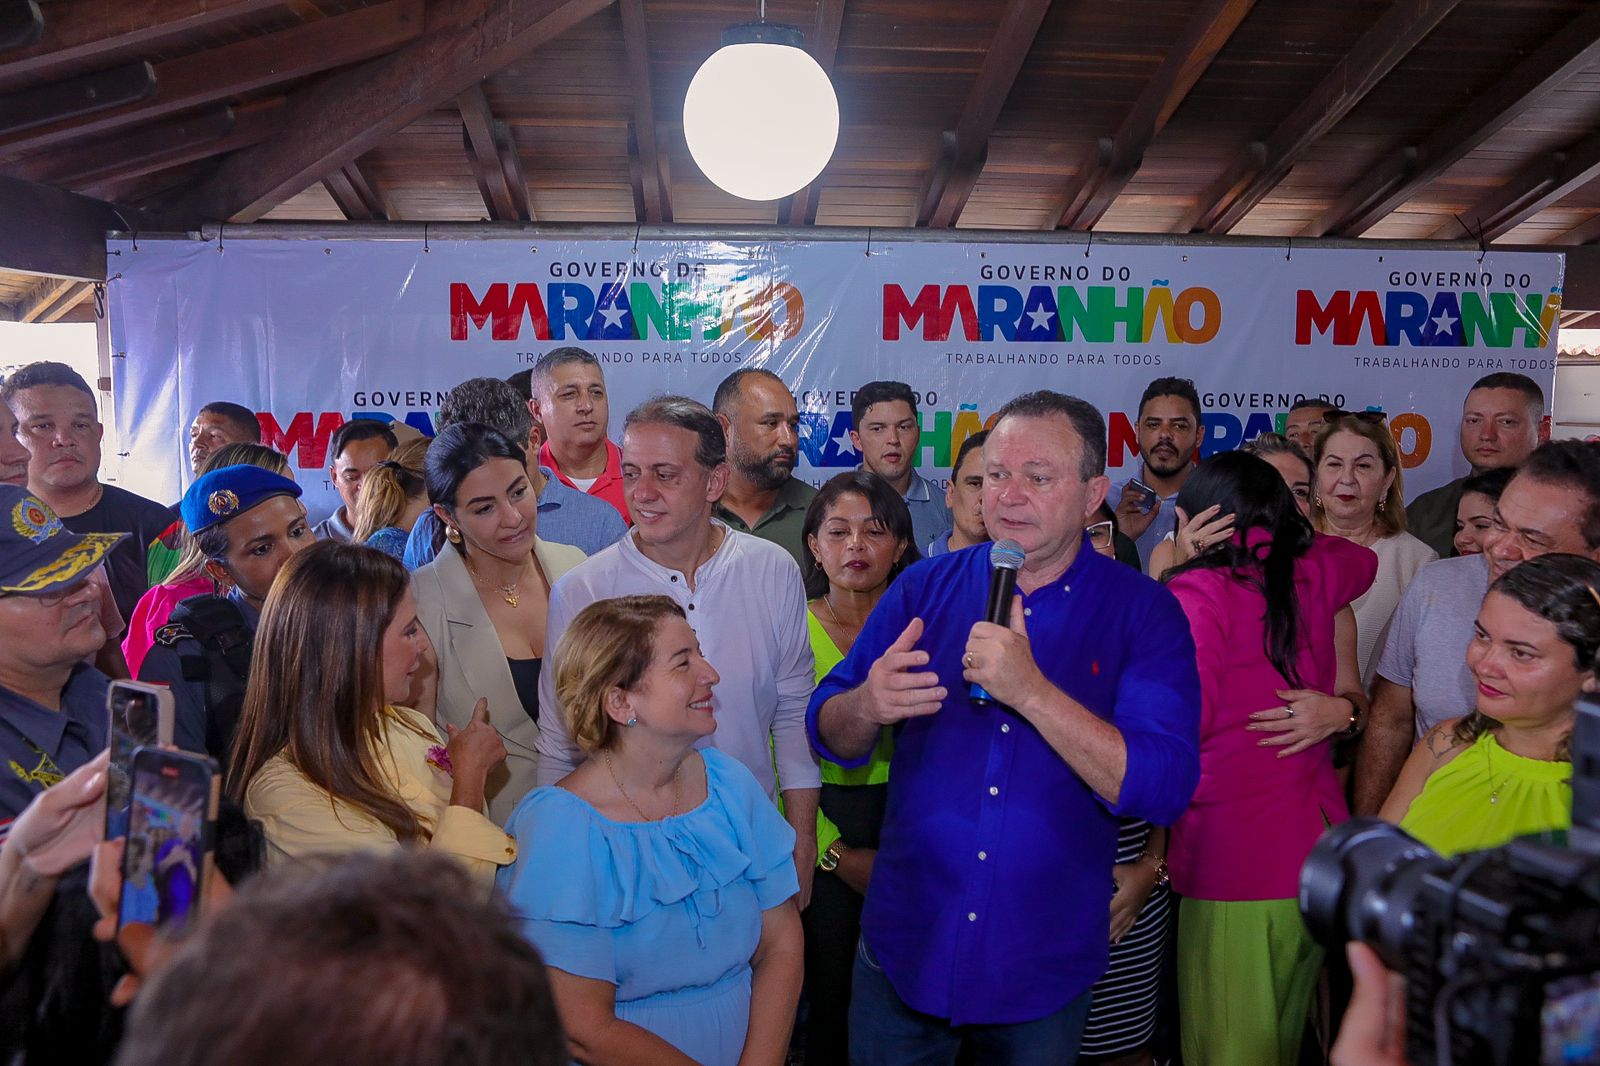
<point>1500,948</point>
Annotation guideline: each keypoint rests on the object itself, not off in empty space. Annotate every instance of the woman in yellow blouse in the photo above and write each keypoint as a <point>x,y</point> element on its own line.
<point>1505,770</point>
<point>325,759</point>
<point>858,537</point>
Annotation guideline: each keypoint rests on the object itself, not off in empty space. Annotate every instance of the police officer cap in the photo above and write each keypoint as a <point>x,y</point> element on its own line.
<point>229,492</point>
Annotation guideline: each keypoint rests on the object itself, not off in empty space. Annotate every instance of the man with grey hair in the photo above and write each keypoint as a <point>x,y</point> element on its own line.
<point>987,918</point>
<point>758,414</point>
<point>565,515</point>
<point>742,595</point>
<point>568,398</point>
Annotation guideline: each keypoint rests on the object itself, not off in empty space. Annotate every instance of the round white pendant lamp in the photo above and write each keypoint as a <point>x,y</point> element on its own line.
<point>760,116</point>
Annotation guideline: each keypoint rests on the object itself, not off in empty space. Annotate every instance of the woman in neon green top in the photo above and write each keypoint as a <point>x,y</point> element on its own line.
<point>1505,770</point>
<point>857,536</point>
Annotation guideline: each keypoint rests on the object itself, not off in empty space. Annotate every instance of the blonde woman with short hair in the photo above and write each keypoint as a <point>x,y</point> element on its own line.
<point>657,879</point>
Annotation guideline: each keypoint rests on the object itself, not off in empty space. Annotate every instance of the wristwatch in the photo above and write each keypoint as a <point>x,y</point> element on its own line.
<point>830,858</point>
<point>1355,718</point>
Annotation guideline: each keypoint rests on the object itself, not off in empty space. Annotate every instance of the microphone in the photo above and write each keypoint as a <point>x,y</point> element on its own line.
<point>1005,559</point>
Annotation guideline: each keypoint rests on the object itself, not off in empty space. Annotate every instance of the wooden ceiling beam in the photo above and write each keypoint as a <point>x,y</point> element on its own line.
<point>951,182</point>
<point>247,66</point>
<point>652,191</point>
<point>356,194</point>
<point>351,112</point>
<point>79,164</point>
<point>44,230</point>
<point>21,24</point>
<point>1116,162</point>
<point>493,156</point>
<point>33,304</point>
<point>1547,181</point>
<point>70,100</point>
<point>1251,178</point>
<point>81,34</point>
<point>800,208</point>
<point>1576,47</point>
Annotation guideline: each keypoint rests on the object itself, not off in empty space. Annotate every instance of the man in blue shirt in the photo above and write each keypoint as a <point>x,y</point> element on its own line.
<point>887,433</point>
<point>565,515</point>
<point>988,919</point>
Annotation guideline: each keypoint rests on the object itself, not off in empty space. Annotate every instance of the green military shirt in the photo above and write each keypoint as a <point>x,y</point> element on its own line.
<point>783,520</point>
<point>1431,517</point>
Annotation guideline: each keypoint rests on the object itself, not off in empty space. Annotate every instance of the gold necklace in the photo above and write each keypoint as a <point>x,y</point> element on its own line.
<point>507,592</point>
<point>1488,759</point>
<point>677,788</point>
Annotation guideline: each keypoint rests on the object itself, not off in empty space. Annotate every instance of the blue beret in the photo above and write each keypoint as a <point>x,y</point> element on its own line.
<point>230,491</point>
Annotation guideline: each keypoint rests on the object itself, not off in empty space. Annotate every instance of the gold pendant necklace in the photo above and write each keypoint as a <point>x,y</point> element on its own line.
<point>507,592</point>
<point>677,788</point>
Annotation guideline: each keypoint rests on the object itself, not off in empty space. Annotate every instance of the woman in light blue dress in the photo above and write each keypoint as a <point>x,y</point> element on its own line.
<point>657,880</point>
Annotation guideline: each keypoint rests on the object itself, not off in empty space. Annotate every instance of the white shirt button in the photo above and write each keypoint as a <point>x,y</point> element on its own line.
<point>1005,727</point>
<point>982,855</point>
<point>993,791</point>
<point>972,916</point>
<point>1027,612</point>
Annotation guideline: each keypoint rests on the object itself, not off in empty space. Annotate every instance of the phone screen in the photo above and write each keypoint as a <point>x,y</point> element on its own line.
<point>135,722</point>
<point>165,855</point>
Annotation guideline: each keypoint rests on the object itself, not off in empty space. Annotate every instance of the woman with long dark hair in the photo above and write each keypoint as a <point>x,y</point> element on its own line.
<point>326,758</point>
<point>857,538</point>
<point>1505,769</point>
<point>484,600</point>
<point>1278,681</point>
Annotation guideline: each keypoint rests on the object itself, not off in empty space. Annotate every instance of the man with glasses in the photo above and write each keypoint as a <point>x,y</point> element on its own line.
<point>1552,504</point>
<point>1169,433</point>
<point>60,427</point>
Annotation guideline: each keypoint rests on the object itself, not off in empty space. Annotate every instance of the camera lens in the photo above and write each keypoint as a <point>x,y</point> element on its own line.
<point>1361,882</point>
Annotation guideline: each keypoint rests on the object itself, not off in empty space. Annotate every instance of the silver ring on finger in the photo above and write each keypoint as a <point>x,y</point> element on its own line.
<point>967,659</point>
<point>1288,712</point>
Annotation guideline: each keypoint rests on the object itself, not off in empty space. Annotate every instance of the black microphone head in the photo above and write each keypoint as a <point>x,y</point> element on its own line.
<point>1005,555</point>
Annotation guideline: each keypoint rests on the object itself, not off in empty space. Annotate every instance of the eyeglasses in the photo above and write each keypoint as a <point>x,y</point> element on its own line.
<point>1100,534</point>
<point>1375,417</point>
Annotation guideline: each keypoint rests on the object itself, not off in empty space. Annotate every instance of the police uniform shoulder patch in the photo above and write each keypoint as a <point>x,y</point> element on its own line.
<point>171,633</point>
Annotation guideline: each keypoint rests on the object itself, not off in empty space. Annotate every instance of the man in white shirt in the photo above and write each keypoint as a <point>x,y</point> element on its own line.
<point>743,597</point>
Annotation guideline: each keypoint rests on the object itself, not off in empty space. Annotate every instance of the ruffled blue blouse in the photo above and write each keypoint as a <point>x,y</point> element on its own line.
<point>668,911</point>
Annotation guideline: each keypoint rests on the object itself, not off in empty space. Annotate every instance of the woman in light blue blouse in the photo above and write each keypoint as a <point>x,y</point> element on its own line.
<point>656,879</point>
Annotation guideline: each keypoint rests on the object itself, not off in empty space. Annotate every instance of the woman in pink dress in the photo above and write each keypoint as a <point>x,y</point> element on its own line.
<point>1269,606</point>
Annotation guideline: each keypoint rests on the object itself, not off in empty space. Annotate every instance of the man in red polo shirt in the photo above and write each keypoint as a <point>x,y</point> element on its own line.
<point>568,398</point>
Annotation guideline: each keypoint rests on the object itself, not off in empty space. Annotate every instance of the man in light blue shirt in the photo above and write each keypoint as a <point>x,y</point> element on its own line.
<point>566,516</point>
<point>883,417</point>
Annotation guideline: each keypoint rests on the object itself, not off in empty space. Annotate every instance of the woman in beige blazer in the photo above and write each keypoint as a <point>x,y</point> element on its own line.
<point>484,599</point>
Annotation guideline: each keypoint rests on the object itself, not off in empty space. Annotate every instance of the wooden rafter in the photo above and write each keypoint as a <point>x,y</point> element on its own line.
<point>1391,38</point>
<point>48,301</point>
<point>1119,159</point>
<point>70,100</point>
<point>493,156</point>
<point>800,208</point>
<point>951,182</point>
<point>1576,47</point>
<point>1545,182</point>
<point>44,230</point>
<point>651,191</point>
<point>356,194</point>
<point>349,113</point>
<point>255,63</point>
<point>82,34</point>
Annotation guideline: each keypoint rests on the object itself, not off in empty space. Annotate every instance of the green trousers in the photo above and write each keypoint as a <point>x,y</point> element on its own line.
<point>1246,973</point>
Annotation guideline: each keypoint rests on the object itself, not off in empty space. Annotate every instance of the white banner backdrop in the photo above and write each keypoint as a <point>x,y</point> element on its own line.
<point>309,333</point>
